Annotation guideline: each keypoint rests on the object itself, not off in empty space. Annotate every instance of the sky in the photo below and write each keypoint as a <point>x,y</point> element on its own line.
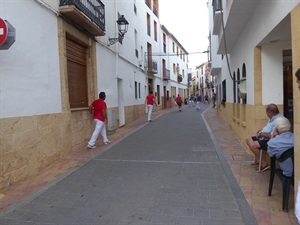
<point>188,22</point>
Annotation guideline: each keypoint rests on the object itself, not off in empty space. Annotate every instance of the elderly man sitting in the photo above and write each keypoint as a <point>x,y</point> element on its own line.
<point>260,140</point>
<point>281,140</point>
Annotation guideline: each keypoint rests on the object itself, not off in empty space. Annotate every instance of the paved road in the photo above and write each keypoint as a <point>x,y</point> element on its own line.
<point>169,171</point>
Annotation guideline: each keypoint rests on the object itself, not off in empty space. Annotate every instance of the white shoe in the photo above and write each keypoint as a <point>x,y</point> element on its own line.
<point>107,142</point>
<point>91,146</point>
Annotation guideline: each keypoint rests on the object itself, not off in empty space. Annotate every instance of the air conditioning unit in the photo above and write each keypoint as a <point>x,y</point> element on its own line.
<point>243,89</point>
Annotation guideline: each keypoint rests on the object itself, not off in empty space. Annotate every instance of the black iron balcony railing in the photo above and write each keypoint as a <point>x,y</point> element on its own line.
<point>93,9</point>
<point>152,66</point>
<point>166,74</point>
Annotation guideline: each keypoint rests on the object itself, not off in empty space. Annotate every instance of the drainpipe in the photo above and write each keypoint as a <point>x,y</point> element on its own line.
<point>49,7</point>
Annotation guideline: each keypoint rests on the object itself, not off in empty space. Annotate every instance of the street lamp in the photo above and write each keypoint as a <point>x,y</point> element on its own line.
<point>122,28</point>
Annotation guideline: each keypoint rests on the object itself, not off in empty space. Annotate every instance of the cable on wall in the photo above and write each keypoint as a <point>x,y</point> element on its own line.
<point>225,45</point>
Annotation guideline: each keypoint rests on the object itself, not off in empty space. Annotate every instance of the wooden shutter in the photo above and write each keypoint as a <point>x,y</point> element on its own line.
<point>77,74</point>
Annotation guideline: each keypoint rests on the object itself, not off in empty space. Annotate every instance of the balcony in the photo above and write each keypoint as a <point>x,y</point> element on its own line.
<point>152,67</point>
<point>166,74</point>
<point>89,15</point>
<point>217,15</point>
<point>179,78</point>
<point>236,15</point>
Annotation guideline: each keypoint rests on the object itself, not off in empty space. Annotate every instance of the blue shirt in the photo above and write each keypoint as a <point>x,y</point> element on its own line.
<point>277,146</point>
<point>270,126</point>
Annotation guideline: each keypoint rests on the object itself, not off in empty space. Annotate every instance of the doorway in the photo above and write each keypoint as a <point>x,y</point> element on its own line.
<point>288,85</point>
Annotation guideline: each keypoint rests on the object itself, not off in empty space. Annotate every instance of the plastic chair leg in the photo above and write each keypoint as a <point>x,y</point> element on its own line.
<point>285,195</point>
<point>260,160</point>
<point>272,175</point>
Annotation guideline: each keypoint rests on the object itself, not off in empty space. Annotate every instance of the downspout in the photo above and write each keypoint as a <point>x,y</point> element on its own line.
<point>49,7</point>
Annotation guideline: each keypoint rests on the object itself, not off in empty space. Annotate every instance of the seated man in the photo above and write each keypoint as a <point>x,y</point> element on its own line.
<point>282,139</point>
<point>262,137</point>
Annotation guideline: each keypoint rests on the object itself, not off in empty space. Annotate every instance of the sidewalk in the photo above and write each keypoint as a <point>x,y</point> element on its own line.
<point>254,185</point>
<point>267,210</point>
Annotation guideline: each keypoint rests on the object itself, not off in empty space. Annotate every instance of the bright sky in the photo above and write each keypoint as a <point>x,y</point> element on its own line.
<point>188,22</point>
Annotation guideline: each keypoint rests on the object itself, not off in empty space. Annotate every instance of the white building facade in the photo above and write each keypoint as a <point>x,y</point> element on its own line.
<point>60,62</point>
<point>254,52</point>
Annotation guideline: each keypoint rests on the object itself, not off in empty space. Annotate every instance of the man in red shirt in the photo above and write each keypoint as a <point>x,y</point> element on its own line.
<point>98,108</point>
<point>150,100</point>
<point>178,101</point>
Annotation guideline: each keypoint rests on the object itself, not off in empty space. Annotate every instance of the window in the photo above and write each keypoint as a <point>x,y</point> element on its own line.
<point>155,31</point>
<point>224,90</point>
<point>77,74</point>
<point>164,43</point>
<point>136,43</point>
<point>148,25</point>
<point>136,89</point>
<point>134,9</point>
<point>139,90</point>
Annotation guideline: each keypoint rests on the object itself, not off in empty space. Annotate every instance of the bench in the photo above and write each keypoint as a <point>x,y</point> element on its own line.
<point>287,182</point>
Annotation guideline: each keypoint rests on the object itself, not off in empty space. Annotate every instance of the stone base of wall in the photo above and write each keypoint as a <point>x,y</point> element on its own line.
<point>134,112</point>
<point>30,144</point>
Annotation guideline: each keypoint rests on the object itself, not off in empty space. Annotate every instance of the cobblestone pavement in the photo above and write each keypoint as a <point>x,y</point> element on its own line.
<point>183,168</point>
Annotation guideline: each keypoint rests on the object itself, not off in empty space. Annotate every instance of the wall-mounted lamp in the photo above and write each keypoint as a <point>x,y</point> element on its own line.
<point>122,27</point>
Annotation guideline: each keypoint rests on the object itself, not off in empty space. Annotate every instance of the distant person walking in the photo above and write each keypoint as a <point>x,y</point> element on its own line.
<point>150,101</point>
<point>198,102</point>
<point>214,98</point>
<point>191,101</point>
<point>178,101</point>
<point>206,99</point>
<point>98,109</point>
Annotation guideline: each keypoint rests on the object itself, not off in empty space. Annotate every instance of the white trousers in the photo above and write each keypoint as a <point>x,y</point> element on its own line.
<point>192,103</point>
<point>198,105</point>
<point>150,109</point>
<point>99,128</point>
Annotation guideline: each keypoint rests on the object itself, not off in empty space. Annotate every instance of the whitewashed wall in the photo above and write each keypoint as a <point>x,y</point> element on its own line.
<point>119,60</point>
<point>259,26</point>
<point>29,70</point>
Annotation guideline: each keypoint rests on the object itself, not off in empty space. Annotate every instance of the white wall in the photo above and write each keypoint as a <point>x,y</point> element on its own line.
<point>118,61</point>
<point>258,27</point>
<point>29,70</point>
<point>272,72</point>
